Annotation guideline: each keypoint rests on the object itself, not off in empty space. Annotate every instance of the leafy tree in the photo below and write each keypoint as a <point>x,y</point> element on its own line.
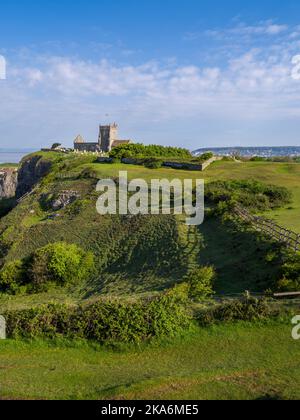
<point>55,146</point>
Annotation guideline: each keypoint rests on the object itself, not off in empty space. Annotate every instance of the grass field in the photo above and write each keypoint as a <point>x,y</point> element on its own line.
<point>283,174</point>
<point>240,361</point>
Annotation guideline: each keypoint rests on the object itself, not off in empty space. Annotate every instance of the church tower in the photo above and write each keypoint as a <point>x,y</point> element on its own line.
<point>108,134</point>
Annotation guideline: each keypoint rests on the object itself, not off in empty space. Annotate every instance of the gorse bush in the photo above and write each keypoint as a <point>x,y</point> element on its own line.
<point>141,151</point>
<point>253,195</point>
<point>59,264</point>
<point>103,321</point>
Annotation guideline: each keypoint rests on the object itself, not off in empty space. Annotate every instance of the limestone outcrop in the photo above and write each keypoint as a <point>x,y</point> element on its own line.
<point>32,170</point>
<point>8,182</point>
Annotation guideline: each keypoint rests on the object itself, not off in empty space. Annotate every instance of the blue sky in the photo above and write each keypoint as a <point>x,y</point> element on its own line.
<point>189,73</point>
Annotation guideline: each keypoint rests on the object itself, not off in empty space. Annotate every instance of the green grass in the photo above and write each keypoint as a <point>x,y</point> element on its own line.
<point>282,174</point>
<point>240,361</point>
<point>239,257</point>
<point>8,165</point>
<point>130,253</point>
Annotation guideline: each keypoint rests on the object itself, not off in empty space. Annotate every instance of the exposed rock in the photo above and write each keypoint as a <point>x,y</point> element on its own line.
<point>53,216</point>
<point>63,199</point>
<point>31,172</point>
<point>8,182</point>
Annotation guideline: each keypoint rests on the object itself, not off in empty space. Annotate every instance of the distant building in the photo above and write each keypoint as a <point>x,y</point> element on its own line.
<point>108,139</point>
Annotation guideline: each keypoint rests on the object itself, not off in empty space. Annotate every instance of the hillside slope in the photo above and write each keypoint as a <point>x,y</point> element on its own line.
<point>139,254</point>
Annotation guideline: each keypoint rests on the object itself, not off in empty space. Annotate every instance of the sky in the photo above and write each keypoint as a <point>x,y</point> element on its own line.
<point>192,73</point>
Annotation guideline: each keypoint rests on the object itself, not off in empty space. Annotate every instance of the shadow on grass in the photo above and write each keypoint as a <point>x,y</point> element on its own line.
<point>239,257</point>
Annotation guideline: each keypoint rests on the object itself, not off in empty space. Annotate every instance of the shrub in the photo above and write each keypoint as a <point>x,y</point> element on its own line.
<point>152,151</point>
<point>250,309</point>
<point>153,163</point>
<point>200,282</point>
<point>103,321</point>
<point>250,194</point>
<point>285,285</point>
<point>290,273</point>
<point>12,277</point>
<point>59,263</point>
<point>205,156</point>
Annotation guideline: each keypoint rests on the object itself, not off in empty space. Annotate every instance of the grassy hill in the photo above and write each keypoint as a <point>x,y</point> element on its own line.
<point>142,256</point>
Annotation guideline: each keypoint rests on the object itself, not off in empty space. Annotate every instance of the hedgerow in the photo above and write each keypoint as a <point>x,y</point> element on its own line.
<point>152,151</point>
<point>104,321</point>
<point>247,309</point>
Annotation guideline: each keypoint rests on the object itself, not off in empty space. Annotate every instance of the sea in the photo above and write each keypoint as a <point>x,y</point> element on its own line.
<point>14,156</point>
<point>267,152</point>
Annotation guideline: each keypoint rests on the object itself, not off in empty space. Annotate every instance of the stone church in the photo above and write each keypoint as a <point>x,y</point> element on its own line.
<point>108,139</point>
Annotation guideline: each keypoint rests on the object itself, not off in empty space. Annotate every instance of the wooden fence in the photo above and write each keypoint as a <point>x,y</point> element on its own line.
<point>270,228</point>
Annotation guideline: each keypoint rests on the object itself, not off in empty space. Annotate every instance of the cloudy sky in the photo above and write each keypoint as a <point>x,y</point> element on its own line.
<point>190,73</point>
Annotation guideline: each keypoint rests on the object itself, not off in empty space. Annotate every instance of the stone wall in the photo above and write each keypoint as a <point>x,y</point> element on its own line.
<point>87,147</point>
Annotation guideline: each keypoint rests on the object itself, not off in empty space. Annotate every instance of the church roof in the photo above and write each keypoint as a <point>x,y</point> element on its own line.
<point>117,143</point>
<point>79,140</point>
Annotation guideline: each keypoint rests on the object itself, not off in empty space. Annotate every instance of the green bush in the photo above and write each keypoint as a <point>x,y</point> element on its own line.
<point>253,195</point>
<point>290,273</point>
<point>250,309</point>
<point>200,283</point>
<point>285,285</point>
<point>141,151</point>
<point>103,321</point>
<point>12,277</point>
<point>59,264</point>
<point>153,163</point>
<point>205,156</point>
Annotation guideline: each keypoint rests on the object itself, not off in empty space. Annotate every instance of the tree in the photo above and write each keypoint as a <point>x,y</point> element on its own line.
<point>55,146</point>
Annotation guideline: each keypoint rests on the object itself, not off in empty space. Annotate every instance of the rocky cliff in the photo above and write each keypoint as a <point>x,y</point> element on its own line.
<point>32,170</point>
<point>8,182</point>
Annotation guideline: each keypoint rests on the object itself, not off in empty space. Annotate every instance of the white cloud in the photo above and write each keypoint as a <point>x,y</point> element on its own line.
<point>66,95</point>
<point>265,28</point>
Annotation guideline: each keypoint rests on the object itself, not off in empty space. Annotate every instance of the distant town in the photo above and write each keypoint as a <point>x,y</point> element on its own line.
<point>265,152</point>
